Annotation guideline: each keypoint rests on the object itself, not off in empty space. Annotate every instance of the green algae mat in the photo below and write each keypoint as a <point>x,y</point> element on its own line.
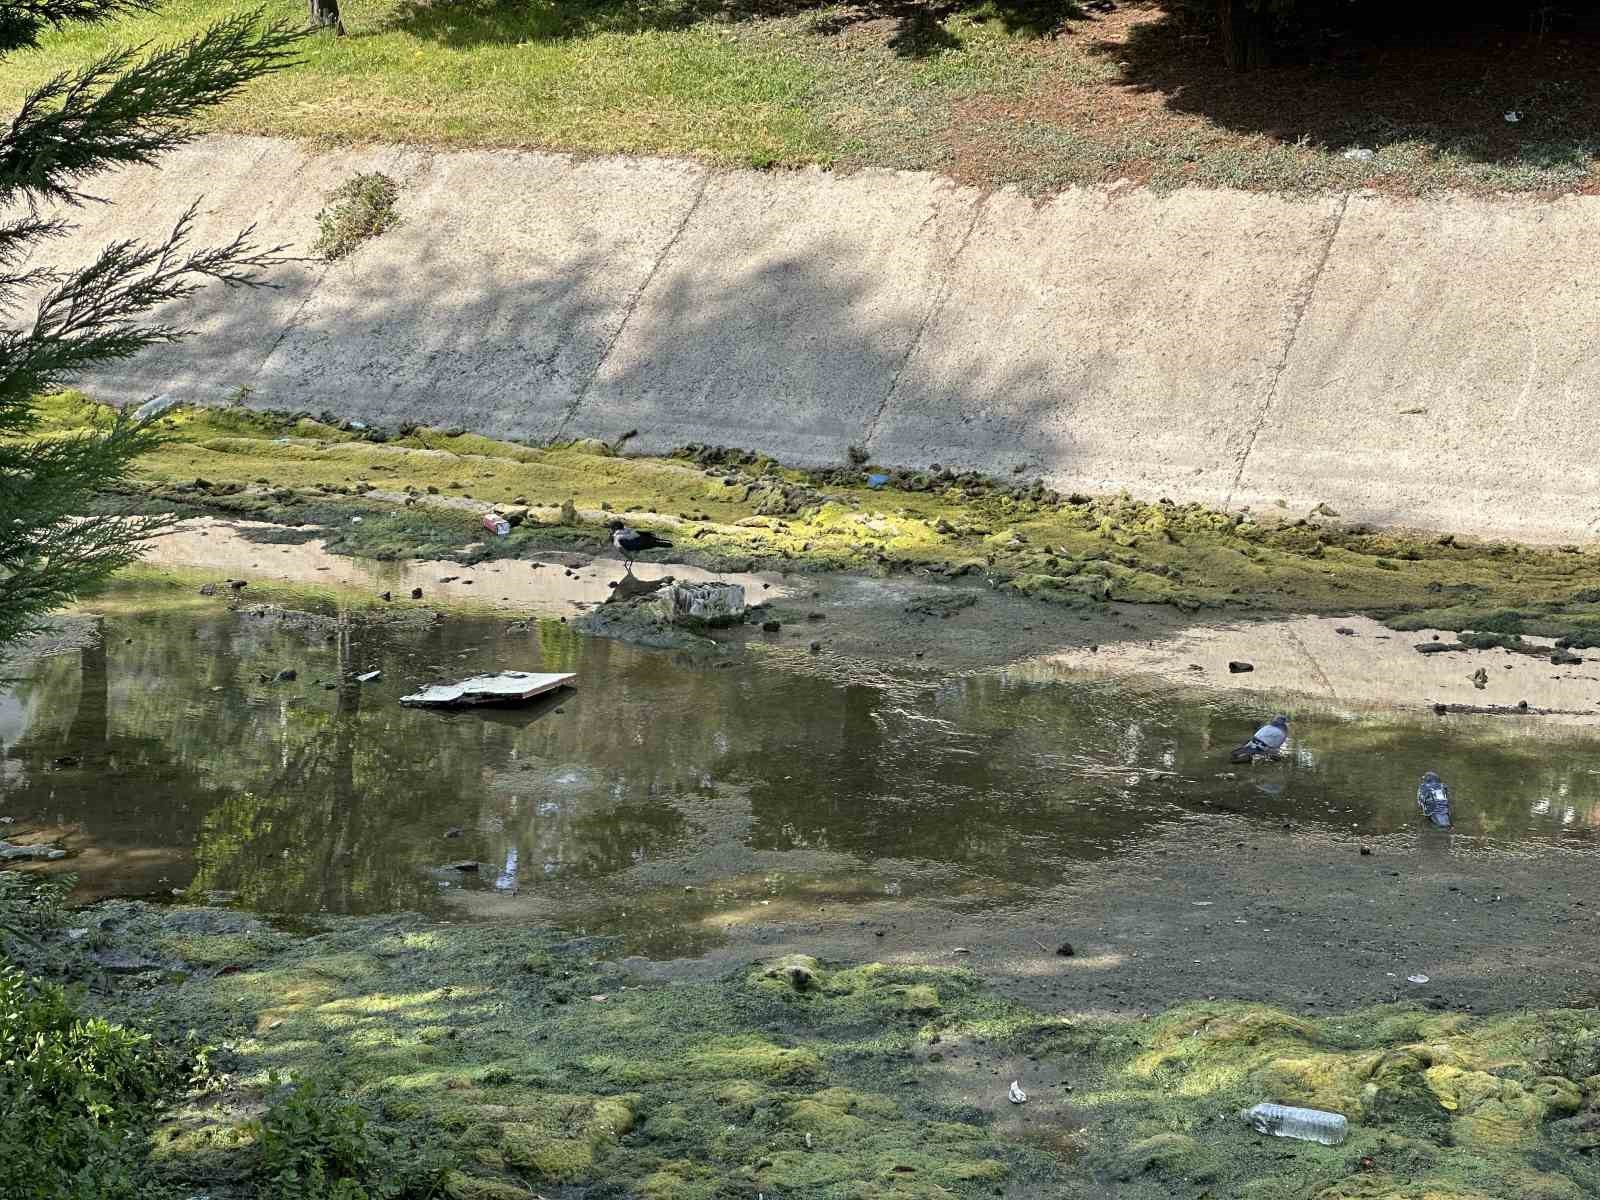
<point>492,1063</point>
<point>421,492</point>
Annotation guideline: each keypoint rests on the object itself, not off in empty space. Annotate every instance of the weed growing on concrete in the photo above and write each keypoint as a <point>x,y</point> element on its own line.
<point>361,207</point>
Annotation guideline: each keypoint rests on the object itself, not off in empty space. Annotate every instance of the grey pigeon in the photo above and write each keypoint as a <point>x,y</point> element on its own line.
<point>1267,741</point>
<point>631,542</point>
<point>1433,798</point>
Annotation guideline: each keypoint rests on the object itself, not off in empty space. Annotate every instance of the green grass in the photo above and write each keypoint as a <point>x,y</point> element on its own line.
<point>502,76</point>
<point>990,91</point>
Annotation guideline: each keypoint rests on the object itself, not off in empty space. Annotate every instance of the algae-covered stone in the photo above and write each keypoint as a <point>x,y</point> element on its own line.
<point>681,1180</point>
<point>1058,589</point>
<point>1398,1089</point>
<point>459,1186</point>
<point>1461,1090</point>
<point>828,1123</point>
<point>560,1160</point>
<point>1560,1097</point>
<point>918,999</point>
<point>562,1146</point>
<point>1507,1121</point>
<point>790,1171</point>
<point>859,1103</point>
<point>741,1097</point>
<point>799,971</point>
<point>1326,1081</point>
<point>753,1057</point>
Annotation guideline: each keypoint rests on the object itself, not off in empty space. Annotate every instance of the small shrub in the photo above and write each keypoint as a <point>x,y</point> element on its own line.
<point>313,1146</point>
<point>361,207</point>
<point>74,1094</point>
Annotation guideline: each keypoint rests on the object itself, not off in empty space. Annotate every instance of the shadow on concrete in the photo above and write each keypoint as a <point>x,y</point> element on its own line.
<point>798,352</point>
<point>1374,76</point>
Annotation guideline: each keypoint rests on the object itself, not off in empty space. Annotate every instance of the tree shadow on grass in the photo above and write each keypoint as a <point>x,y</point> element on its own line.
<point>1446,84</point>
<point>919,25</point>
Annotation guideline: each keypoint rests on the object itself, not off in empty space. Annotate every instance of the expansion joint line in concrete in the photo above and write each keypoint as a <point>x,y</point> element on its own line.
<point>1302,305</point>
<point>633,303</point>
<point>946,285</point>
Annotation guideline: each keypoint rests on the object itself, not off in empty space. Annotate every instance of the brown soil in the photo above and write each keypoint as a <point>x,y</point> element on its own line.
<point>1168,102</point>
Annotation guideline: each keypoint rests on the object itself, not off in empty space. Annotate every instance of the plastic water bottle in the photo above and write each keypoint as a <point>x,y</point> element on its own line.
<point>1305,1124</point>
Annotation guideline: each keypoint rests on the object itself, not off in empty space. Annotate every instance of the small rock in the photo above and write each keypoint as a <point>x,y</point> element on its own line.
<point>771,626</point>
<point>467,866</point>
<point>416,593</point>
<point>454,831</point>
<point>1366,851</point>
<point>1239,668</point>
<point>799,971</point>
<point>385,595</point>
<point>816,647</point>
<point>1345,631</point>
<point>237,584</point>
<point>208,589</point>
<point>287,675</point>
<point>1564,658</point>
<point>1065,950</point>
<point>8,852</point>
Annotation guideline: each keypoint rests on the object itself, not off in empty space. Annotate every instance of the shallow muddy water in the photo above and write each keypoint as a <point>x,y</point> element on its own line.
<point>158,749</point>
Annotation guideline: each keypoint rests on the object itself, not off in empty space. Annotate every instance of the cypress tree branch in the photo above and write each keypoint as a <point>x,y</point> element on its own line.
<point>124,108</point>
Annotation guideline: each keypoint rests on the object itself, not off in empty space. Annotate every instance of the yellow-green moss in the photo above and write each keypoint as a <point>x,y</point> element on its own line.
<point>671,1092</point>
<point>1077,551</point>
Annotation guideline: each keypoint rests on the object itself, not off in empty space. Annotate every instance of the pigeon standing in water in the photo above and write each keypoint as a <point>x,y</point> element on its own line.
<point>631,542</point>
<point>1268,740</point>
<point>1433,798</point>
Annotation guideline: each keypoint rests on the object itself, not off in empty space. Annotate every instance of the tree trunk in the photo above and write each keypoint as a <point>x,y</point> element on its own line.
<point>325,13</point>
<point>1244,34</point>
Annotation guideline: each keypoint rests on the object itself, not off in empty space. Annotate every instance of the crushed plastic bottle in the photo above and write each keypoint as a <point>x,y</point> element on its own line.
<point>1303,1124</point>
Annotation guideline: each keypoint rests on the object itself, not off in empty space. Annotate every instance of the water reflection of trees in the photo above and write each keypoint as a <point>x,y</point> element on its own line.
<point>302,798</point>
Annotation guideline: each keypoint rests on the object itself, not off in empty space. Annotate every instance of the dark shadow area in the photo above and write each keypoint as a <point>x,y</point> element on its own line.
<point>918,27</point>
<point>1516,84</point>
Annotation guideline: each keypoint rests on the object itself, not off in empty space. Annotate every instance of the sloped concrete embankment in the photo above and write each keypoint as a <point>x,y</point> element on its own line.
<point>1425,364</point>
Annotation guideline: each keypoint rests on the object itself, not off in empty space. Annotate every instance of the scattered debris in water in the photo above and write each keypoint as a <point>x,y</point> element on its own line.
<point>507,687</point>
